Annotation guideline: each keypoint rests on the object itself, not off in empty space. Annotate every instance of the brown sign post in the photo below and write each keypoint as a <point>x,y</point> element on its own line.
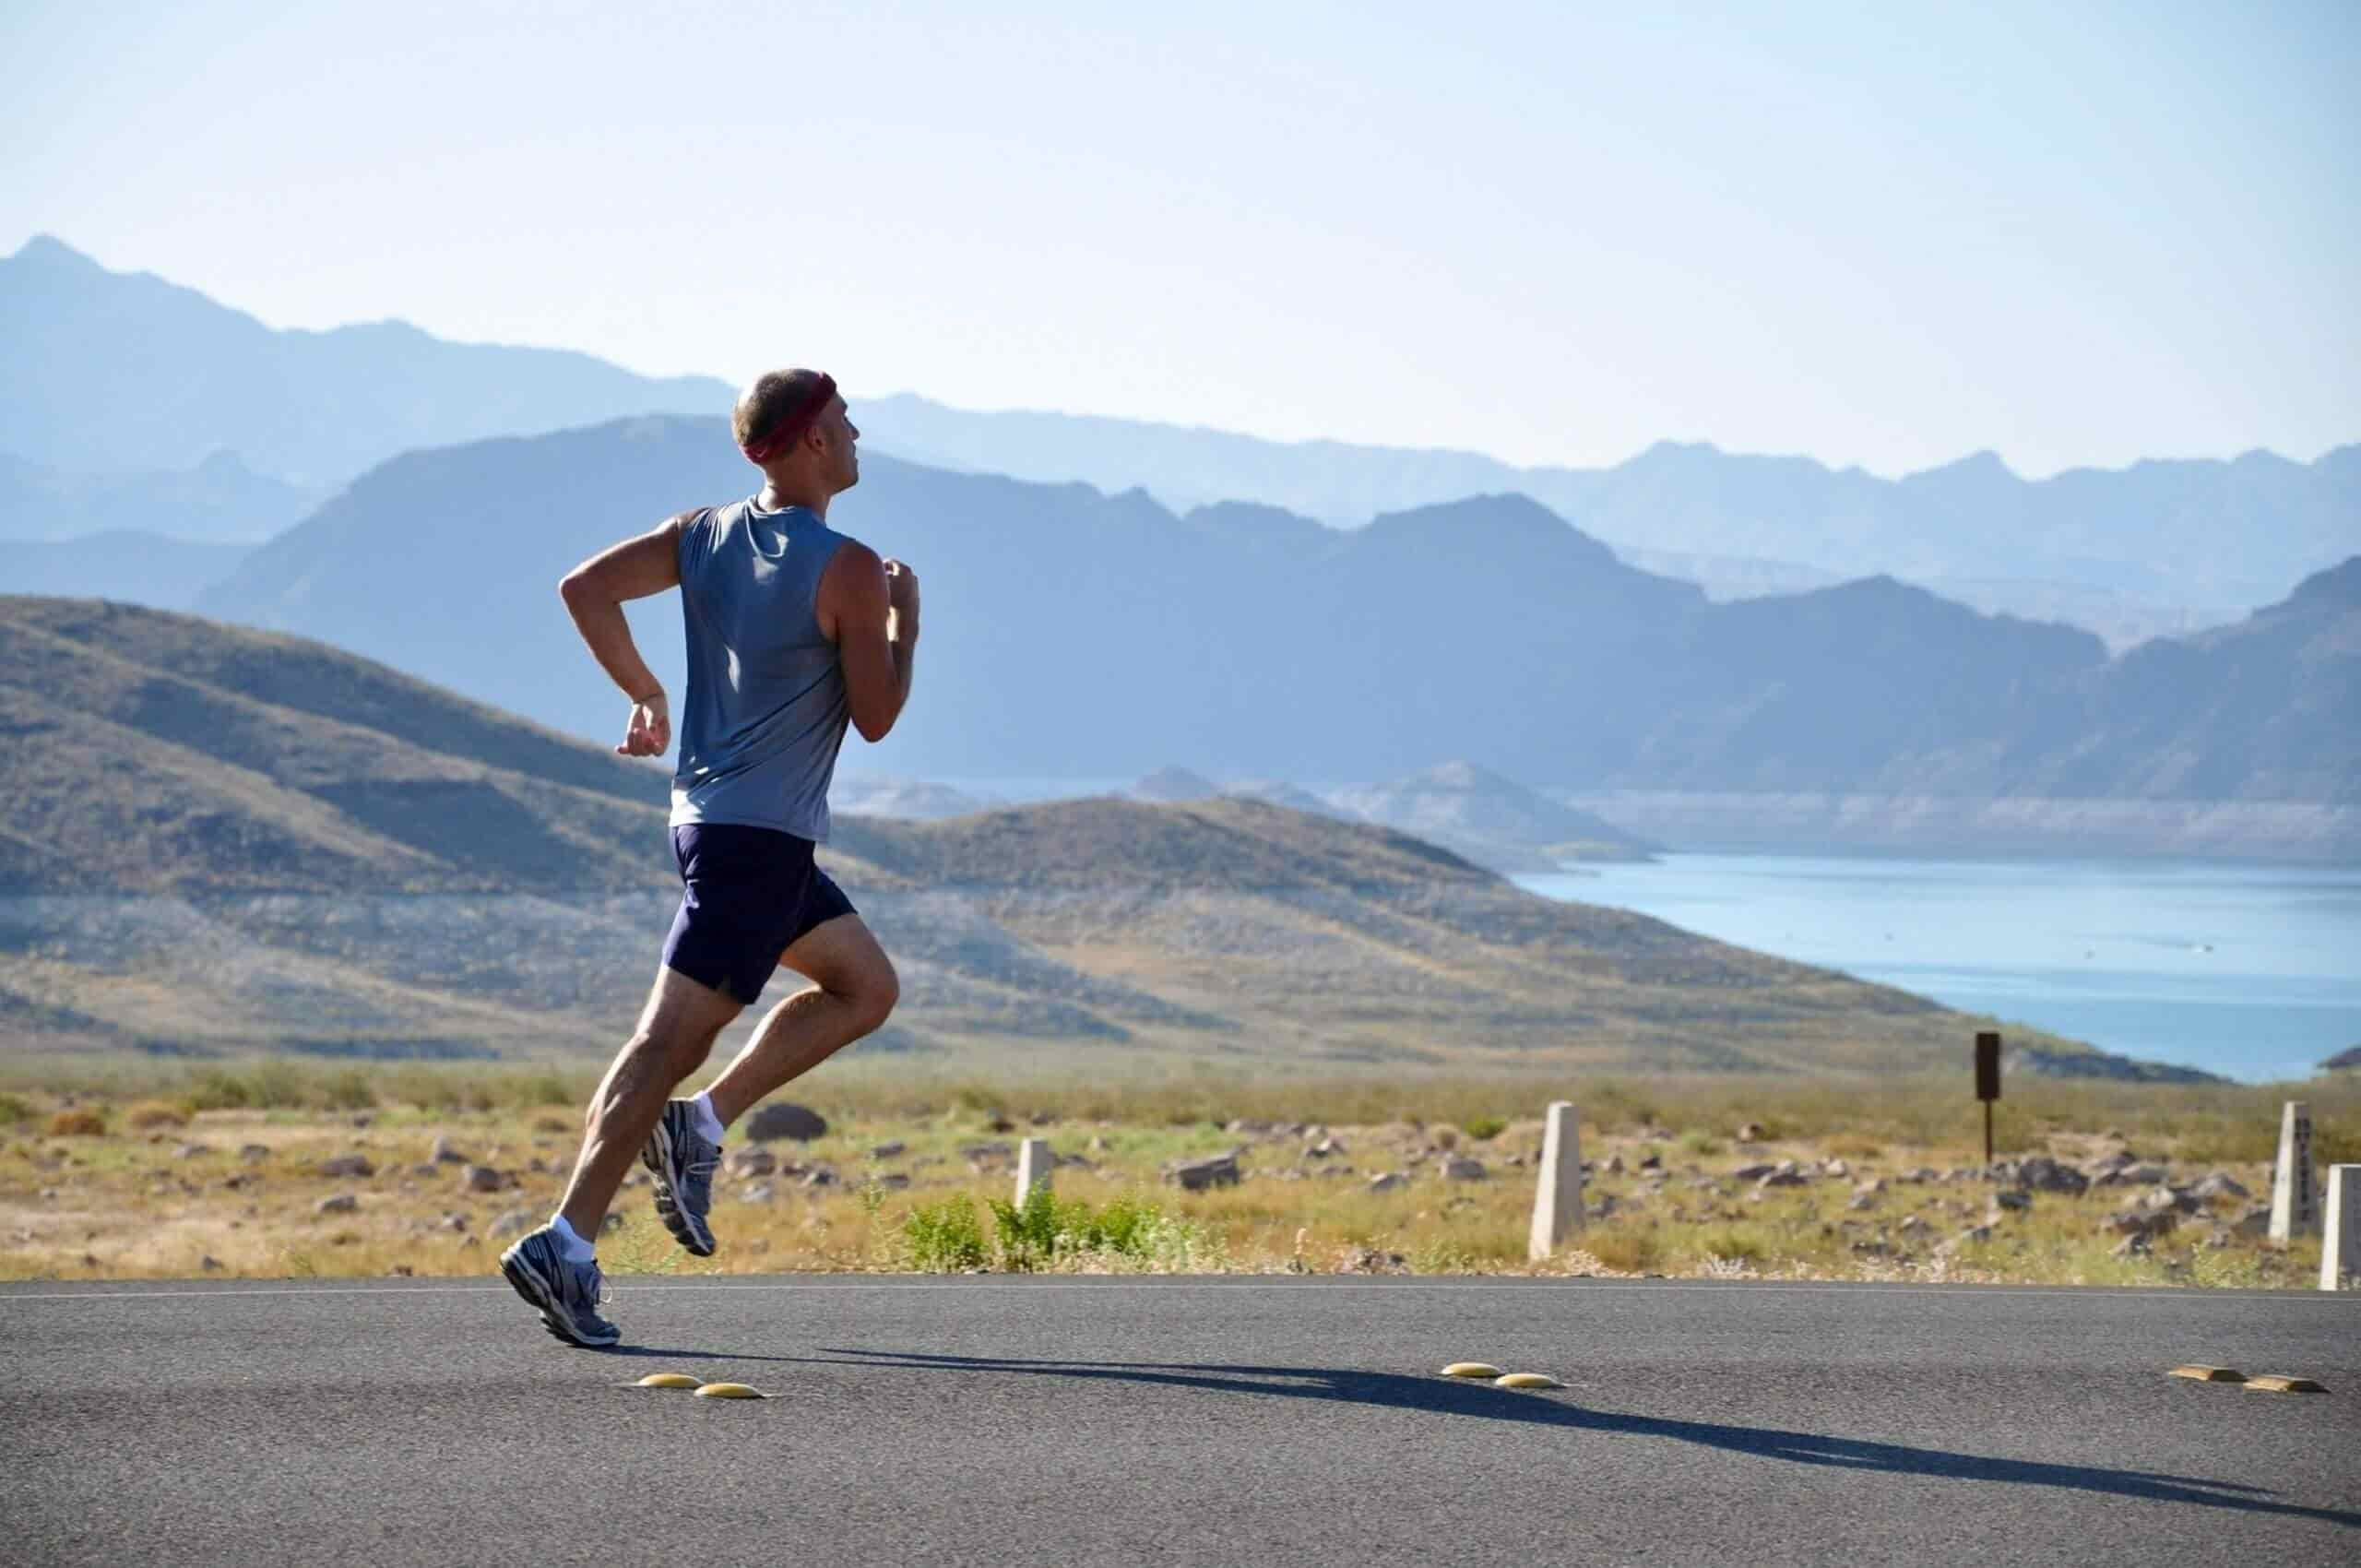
<point>1987,1080</point>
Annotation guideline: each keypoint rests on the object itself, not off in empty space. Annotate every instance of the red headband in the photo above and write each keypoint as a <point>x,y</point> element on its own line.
<point>791,426</point>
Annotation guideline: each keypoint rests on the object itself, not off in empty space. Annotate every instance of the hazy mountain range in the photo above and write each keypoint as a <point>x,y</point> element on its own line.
<point>224,841</point>
<point>241,427</point>
<point>1073,634</point>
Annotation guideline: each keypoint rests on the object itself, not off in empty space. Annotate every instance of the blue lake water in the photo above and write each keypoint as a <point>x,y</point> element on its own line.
<point>2250,972</point>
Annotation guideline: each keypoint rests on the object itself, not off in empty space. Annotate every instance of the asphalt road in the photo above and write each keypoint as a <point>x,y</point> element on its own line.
<point>1245,1420</point>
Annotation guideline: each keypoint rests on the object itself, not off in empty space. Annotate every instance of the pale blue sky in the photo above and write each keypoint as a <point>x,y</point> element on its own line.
<point>1887,235</point>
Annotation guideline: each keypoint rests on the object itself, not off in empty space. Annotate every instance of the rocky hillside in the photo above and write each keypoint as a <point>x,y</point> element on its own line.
<point>228,840</point>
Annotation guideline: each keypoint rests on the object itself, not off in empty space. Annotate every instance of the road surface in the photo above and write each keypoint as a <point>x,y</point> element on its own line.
<point>1002,1421</point>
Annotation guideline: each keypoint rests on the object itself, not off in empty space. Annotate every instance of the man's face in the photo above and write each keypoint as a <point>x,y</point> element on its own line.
<point>842,436</point>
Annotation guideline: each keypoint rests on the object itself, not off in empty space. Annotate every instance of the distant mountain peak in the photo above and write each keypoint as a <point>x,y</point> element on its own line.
<point>2340,585</point>
<point>48,250</point>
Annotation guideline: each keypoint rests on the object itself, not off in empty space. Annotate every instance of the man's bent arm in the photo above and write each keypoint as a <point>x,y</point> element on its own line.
<point>595,591</point>
<point>594,594</point>
<point>870,608</point>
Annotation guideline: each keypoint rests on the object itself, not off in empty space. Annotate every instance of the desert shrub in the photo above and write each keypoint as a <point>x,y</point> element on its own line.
<point>1043,1227</point>
<point>1028,1233</point>
<point>13,1111</point>
<point>1484,1129</point>
<point>80,1123</point>
<point>1731,1246</point>
<point>1629,1248</point>
<point>1700,1143</point>
<point>150,1114</point>
<point>218,1089</point>
<point>348,1089</point>
<point>944,1237</point>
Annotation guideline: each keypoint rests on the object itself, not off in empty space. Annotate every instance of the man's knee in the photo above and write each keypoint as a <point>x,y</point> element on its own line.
<point>871,992</point>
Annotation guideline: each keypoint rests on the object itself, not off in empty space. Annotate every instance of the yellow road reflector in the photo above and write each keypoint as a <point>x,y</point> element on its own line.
<point>1471,1369</point>
<point>727,1391</point>
<point>2275,1384</point>
<point>668,1380</point>
<point>2210,1374</point>
<point>1526,1380</point>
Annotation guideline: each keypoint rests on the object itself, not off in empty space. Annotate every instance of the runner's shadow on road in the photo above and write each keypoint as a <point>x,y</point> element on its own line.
<point>676,1352</point>
<point>1453,1398</point>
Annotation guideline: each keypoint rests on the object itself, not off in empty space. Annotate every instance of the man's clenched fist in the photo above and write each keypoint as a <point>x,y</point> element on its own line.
<point>901,586</point>
<point>650,729</point>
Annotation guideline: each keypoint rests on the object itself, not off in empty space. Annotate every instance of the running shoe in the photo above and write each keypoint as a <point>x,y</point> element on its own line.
<point>683,1161</point>
<point>566,1292</point>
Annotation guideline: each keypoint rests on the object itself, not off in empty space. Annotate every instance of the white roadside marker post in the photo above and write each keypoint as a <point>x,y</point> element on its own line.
<point>1034,1163</point>
<point>2341,1235</point>
<point>2294,1202</point>
<point>1558,1195</point>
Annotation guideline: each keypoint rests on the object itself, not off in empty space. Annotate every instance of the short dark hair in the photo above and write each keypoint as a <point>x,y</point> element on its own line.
<point>767,400</point>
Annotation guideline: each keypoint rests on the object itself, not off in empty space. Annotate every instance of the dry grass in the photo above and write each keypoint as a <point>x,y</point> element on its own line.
<point>240,1185</point>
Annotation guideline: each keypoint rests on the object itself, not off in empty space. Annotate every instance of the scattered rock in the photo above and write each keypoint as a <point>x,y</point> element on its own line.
<point>1651,1162</point>
<point>2142,1222</point>
<point>1388,1182</point>
<point>510,1222</point>
<point>819,1176</point>
<point>1787,1173</point>
<point>1837,1169</point>
<point>483,1178</point>
<point>1913,1225</point>
<point>1975,1233</point>
<point>2160,1197</point>
<point>1861,1203</point>
<point>1369,1260</point>
<point>2139,1244</point>
<point>998,1122</point>
<point>2011,1198</point>
<point>2254,1221</point>
<point>803,1124</point>
<point>2218,1185</point>
<point>1197,1175</point>
<point>1098,1144</point>
<point>888,1149</point>
<point>2043,1174</point>
<point>208,1264</point>
<point>2130,1175</point>
<point>456,1223</point>
<point>892,1181</point>
<point>749,1162</point>
<point>1750,1133</point>
<point>443,1154</point>
<point>757,1192</point>
<point>1752,1172</point>
<point>347,1164</point>
<point>1871,1188</point>
<point>342,1203</point>
<point>254,1152</point>
<point>611,1223</point>
<point>1325,1149</point>
<point>1615,1165</point>
<point>1458,1167</point>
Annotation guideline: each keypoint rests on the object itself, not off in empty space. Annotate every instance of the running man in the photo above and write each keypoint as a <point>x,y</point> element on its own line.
<point>794,630</point>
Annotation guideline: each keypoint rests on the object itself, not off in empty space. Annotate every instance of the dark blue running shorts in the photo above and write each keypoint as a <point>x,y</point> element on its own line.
<point>747,894</point>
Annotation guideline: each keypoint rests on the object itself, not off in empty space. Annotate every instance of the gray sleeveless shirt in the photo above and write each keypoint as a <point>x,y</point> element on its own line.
<point>766,710</point>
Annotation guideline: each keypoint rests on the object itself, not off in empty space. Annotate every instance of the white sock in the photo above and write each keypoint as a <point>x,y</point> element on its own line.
<point>708,1123</point>
<point>576,1249</point>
